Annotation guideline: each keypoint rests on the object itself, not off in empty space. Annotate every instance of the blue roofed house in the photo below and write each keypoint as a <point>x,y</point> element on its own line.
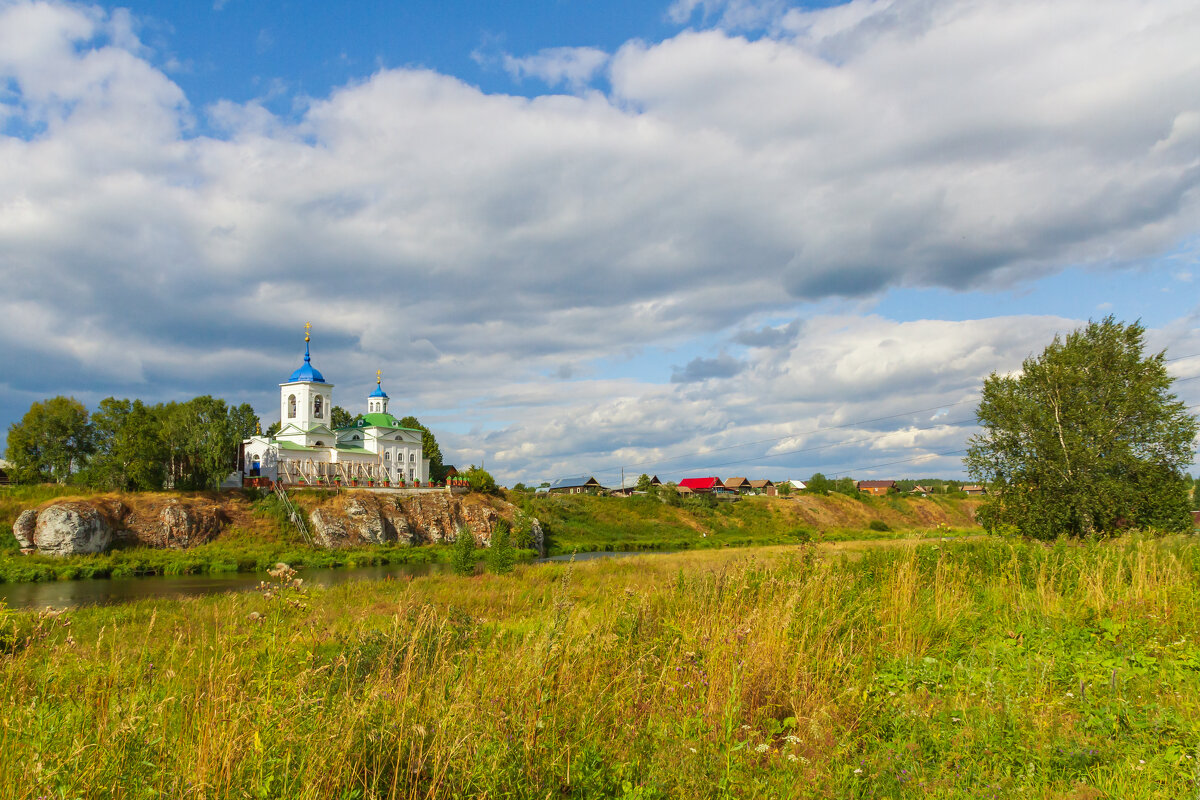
<point>582,484</point>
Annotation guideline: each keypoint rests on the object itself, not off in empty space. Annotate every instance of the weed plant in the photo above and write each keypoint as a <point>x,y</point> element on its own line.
<point>981,669</point>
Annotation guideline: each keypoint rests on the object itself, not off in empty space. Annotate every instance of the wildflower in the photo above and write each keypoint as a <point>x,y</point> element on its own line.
<point>692,749</point>
<point>858,771</point>
<point>1070,694</point>
<point>792,739</point>
<point>762,748</point>
<point>792,757</point>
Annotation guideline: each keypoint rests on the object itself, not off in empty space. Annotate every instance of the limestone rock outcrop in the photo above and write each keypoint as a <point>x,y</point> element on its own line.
<point>348,519</point>
<point>24,527</point>
<point>356,518</point>
<point>70,529</point>
<point>171,522</point>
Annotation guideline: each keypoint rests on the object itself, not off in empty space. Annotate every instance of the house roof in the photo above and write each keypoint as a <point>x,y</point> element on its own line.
<point>700,483</point>
<point>736,483</point>
<point>378,420</point>
<point>294,446</point>
<point>574,483</point>
<point>973,487</point>
<point>876,484</point>
<point>761,483</point>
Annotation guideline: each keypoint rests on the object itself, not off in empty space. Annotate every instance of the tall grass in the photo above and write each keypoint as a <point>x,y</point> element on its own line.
<point>978,669</point>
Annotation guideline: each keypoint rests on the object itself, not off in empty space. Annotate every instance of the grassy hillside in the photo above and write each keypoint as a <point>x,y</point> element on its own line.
<point>258,534</point>
<point>966,669</point>
<point>642,522</point>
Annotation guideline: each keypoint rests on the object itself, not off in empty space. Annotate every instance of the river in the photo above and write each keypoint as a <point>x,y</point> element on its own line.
<point>110,591</point>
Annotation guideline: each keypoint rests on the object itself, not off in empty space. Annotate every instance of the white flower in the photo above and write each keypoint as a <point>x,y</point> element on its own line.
<point>762,748</point>
<point>858,771</point>
<point>1070,694</point>
<point>692,749</point>
<point>792,757</point>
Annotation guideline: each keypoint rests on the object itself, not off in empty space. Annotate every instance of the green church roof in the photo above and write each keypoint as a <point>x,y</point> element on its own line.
<point>380,421</point>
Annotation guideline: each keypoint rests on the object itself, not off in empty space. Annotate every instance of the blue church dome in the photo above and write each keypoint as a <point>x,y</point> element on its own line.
<point>307,372</point>
<point>379,392</point>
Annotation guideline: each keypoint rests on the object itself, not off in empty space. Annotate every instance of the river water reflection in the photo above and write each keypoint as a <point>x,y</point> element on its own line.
<point>69,594</point>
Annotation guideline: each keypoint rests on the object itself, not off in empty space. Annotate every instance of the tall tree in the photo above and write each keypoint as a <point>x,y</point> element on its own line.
<point>340,418</point>
<point>1087,438</point>
<point>50,442</point>
<point>429,448</point>
<point>130,452</point>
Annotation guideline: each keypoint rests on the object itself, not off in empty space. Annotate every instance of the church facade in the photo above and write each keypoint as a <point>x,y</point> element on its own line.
<point>309,450</point>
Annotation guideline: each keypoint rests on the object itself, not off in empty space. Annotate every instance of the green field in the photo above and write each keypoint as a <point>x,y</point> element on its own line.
<point>869,670</point>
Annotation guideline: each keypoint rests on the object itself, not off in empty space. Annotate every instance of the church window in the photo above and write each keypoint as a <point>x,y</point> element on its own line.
<point>412,456</point>
<point>317,406</point>
<point>387,456</point>
<point>292,407</point>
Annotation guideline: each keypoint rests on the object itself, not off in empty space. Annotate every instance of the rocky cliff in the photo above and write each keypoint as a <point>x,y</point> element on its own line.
<point>94,524</point>
<point>353,518</point>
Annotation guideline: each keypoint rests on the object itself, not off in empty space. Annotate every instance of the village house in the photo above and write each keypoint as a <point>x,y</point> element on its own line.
<point>876,488</point>
<point>739,485</point>
<point>701,485</point>
<point>763,486</point>
<point>974,489</point>
<point>583,484</point>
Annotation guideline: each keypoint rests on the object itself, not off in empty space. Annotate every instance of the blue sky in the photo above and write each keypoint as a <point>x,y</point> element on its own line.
<point>581,235</point>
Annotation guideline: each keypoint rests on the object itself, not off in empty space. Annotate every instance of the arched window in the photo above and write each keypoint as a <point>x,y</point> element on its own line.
<point>387,456</point>
<point>292,407</point>
<point>319,444</point>
<point>317,406</point>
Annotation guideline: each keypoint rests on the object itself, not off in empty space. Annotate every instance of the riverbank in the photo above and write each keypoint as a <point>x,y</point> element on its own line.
<point>963,669</point>
<point>255,532</point>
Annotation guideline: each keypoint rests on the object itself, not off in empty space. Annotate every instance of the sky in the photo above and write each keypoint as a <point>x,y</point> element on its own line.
<point>731,237</point>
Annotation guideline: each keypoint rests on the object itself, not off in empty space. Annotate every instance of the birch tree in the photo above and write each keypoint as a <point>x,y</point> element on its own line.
<point>1086,439</point>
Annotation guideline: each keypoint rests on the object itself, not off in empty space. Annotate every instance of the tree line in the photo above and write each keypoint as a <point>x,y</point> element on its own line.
<point>128,444</point>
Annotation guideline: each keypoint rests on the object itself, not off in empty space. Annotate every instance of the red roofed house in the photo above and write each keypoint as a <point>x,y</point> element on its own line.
<point>701,485</point>
<point>876,487</point>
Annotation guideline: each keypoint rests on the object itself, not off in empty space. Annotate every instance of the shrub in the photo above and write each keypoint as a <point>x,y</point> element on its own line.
<point>500,555</point>
<point>878,525</point>
<point>462,558</point>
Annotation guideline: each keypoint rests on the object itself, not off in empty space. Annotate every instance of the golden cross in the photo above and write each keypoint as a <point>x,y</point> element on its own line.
<point>378,376</point>
<point>307,326</point>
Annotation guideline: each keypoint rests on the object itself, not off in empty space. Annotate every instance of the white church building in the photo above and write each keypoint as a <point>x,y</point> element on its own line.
<point>309,450</point>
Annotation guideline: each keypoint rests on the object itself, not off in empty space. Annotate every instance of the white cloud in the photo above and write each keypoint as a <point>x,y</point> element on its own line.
<point>475,244</point>
<point>573,67</point>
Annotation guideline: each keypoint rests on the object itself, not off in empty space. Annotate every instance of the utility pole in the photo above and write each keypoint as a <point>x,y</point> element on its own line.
<point>622,479</point>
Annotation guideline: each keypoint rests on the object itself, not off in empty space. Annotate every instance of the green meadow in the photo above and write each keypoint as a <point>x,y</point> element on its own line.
<point>972,668</point>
